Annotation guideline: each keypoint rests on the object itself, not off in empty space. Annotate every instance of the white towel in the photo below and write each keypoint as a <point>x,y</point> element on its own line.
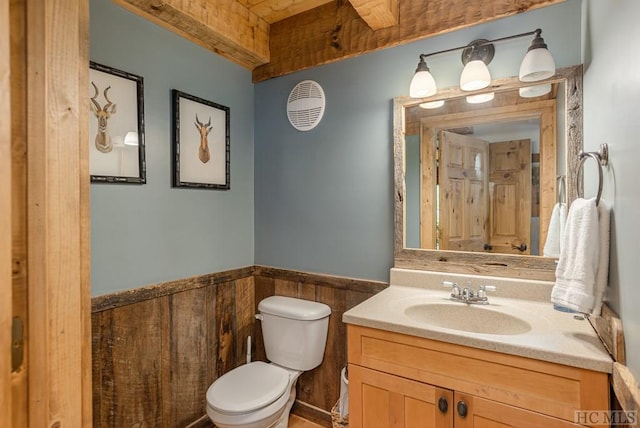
<point>555,234</point>
<point>582,271</point>
<point>602,277</point>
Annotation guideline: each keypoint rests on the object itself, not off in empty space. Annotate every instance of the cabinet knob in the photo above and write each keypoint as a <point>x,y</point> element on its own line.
<point>462,409</point>
<point>443,405</point>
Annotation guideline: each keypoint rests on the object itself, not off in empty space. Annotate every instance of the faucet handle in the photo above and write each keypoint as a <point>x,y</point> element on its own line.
<point>455,289</point>
<point>482,291</point>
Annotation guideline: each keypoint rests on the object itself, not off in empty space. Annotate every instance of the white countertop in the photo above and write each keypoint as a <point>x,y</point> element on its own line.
<point>552,335</point>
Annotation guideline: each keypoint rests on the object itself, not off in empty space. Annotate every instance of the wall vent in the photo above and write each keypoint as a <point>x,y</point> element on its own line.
<point>305,106</point>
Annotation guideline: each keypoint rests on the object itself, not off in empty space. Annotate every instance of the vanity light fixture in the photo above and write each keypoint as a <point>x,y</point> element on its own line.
<point>475,58</point>
<point>538,64</point>
<point>423,84</point>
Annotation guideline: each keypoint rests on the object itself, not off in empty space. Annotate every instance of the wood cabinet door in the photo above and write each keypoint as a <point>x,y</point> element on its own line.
<point>380,400</point>
<point>475,412</point>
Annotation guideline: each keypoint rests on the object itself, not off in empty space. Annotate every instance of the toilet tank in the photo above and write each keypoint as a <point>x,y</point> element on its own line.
<point>294,331</point>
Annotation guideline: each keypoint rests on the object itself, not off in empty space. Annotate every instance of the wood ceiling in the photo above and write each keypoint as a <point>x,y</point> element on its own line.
<point>276,37</point>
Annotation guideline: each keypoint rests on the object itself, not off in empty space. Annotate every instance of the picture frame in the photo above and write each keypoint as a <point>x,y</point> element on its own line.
<point>201,143</point>
<point>116,130</point>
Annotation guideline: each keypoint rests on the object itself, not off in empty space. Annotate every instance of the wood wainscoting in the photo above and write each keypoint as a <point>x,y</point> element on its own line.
<point>156,349</point>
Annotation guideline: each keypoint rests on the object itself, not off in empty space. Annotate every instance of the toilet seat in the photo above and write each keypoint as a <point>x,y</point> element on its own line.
<point>248,388</point>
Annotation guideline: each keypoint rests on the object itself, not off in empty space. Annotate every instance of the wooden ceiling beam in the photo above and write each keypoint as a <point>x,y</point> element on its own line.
<point>335,31</point>
<point>225,27</point>
<point>276,10</point>
<point>377,14</point>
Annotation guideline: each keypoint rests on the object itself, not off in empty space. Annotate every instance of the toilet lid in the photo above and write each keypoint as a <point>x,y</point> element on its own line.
<point>248,388</point>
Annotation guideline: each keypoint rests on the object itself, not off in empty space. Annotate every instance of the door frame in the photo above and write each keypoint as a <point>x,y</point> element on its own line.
<point>58,362</point>
<point>5,218</point>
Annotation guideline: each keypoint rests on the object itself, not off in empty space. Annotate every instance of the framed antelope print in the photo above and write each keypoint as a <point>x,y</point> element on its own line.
<point>200,143</point>
<point>116,132</point>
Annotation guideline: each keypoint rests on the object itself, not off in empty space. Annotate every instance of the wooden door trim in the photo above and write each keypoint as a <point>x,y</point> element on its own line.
<point>58,213</point>
<point>428,180</point>
<point>5,218</point>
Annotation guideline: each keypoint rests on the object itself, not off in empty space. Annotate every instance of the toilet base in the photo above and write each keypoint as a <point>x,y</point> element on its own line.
<point>283,422</point>
<point>278,420</point>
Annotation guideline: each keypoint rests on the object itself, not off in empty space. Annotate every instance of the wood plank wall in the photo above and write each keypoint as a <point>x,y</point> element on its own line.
<point>157,349</point>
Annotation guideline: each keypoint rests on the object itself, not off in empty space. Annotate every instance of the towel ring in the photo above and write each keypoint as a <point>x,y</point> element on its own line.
<point>602,158</point>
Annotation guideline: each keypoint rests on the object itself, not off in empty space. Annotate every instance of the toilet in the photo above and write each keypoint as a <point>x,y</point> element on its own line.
<point>260,395</point>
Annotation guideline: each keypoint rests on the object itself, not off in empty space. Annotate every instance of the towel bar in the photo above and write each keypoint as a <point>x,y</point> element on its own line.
<point>602,158</point>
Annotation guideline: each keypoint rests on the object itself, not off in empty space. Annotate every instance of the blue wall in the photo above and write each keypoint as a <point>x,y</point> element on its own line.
<point>324,198</point>
<point>611,105</point>
<point>142,234</point>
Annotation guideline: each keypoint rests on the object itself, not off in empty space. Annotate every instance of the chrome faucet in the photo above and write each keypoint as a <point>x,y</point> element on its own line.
<point>467,295</point>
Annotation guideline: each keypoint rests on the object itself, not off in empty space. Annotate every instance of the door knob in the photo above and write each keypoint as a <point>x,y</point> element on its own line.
<point>521,248</point>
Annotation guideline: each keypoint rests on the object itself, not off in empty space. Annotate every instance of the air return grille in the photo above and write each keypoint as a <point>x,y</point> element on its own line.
<point>305,105</point>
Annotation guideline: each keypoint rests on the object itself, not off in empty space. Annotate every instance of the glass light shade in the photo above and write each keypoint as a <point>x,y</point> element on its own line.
<point>131,139</point>
<point>535,91</point>
<point>537,64</point>
<point>475,76</point>
<point>422,85</point>
<point>480,98</point>
<point>432,104</point>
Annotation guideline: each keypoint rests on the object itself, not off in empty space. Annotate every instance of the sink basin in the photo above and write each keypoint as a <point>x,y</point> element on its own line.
<point>469,318</point>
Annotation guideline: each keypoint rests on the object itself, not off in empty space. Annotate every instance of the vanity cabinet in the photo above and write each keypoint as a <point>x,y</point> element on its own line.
<point>381,400</point>
<point>398,380</point>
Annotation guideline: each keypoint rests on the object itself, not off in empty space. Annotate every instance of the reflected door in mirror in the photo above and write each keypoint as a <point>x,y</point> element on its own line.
<point>464,189</point>
<point>510,191</point>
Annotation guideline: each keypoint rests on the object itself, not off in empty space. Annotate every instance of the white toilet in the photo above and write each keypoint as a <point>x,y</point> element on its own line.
<point>260,395</point>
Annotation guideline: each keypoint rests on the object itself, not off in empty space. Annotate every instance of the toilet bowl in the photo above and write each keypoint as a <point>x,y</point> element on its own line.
<point>255,395</point>
<point>259,394</point>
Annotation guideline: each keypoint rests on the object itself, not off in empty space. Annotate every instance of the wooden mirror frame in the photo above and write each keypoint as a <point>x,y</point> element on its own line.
<point>504,265</point>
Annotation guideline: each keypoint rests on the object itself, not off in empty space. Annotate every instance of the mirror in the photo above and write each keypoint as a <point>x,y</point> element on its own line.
<point>476,183</point>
